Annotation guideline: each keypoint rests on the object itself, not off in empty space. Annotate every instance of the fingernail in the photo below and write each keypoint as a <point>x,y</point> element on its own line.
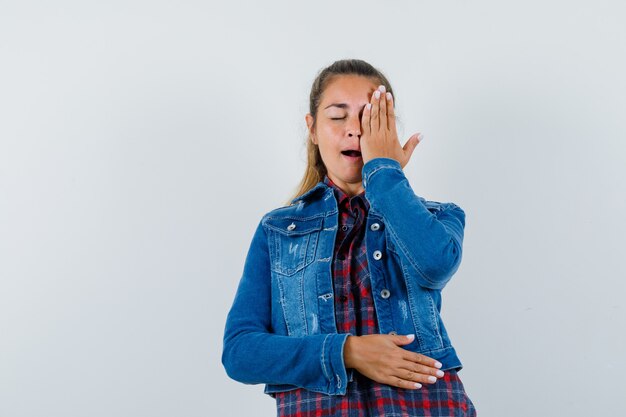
<point>377,94</point>
<point>368,106</point>
<point>381,88</point>
<point>410,336</point>
<point>438,365</point>
<point>439,373</point>
<point>388,95</point>
<point>418,385</point>
<point>432,379</point>
<point>420,137</point>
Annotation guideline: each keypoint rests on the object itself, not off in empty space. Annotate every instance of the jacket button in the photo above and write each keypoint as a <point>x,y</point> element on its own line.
<point>377,255</point>
<point>291,226</point>
<point>375,226</point>
<point>393,333</point>
<point>385,293</point>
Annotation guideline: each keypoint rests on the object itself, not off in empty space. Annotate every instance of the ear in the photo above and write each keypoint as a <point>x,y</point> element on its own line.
<point>309,124</point>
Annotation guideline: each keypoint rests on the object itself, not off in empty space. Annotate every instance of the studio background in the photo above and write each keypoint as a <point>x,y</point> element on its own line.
<point>141,142</point>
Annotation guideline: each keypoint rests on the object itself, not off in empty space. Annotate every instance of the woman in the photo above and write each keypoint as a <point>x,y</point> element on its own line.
<point>337,311</point>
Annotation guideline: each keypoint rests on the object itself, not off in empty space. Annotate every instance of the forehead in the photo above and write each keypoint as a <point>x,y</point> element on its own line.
<point>349,88</point>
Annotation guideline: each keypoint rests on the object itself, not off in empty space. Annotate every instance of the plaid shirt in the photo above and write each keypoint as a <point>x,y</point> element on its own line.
<point>355,314</point>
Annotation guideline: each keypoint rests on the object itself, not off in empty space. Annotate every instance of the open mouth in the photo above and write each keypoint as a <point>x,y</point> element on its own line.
<point>352,153</point>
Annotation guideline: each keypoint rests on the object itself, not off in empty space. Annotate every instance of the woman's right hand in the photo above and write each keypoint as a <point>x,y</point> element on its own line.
<point>380,358</point>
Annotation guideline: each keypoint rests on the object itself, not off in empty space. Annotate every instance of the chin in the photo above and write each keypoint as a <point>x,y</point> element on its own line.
<point>354,178</point>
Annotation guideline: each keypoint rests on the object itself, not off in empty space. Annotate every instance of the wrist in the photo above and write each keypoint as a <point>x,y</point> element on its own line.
<point>349,351</point>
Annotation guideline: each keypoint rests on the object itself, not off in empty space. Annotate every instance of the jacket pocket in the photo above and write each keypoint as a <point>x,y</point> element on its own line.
<point>292,243</point>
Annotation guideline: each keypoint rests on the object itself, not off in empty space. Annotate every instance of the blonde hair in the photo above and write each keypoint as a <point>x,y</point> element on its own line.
<point>315,168</point>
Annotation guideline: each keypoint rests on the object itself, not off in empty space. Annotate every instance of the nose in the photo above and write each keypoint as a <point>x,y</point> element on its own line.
<point>354,128</point>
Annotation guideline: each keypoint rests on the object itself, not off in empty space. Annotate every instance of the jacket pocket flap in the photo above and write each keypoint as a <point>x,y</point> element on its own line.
<point>294,227</point>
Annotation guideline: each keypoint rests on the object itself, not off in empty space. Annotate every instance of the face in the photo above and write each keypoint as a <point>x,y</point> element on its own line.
<point>337,130</point>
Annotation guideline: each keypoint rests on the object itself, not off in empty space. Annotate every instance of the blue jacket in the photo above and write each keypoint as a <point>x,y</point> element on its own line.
<point>281,327</point>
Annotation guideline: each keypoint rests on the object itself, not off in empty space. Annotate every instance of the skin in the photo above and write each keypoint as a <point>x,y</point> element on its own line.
<point>370,129</point>
<point>344,122</point>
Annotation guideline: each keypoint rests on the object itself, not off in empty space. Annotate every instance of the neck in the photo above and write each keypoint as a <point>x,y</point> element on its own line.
<point>350,188</point>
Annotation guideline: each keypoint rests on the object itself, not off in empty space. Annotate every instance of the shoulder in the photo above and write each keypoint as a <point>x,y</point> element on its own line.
<point>301,216</point>
<point>291,210</point>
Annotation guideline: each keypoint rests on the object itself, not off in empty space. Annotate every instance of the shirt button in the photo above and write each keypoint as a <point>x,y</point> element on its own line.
<point>344,228</point>
<point>343,298</point>
<point>385,293</point>
<point>377,254</point>
<point>375,226</point>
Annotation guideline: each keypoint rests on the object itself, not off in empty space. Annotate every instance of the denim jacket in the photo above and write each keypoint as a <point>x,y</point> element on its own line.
<point>281,328</point>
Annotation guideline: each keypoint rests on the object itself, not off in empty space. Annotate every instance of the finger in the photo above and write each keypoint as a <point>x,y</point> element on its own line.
<point>409,375</point>
<point>401,383</point>
<point>391,114</point>
<point>365,120</point>
<point>421,359</point>
<point>403,340</point>
<point>383,108</point>
<point>374,115</point>
<point>427,373</point>
<point>411,144</point>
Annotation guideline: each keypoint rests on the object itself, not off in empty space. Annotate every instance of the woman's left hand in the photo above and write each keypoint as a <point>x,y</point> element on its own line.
<point>379,138</point>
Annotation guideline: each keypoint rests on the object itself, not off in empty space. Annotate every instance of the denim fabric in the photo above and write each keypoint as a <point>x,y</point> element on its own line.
<point>281,328</point>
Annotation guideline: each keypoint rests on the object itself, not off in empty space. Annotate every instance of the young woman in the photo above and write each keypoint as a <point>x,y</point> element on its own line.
<point>337,311</point>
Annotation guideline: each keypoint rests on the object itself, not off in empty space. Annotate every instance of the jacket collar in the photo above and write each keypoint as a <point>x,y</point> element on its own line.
<point>318,188</point>
<point>323,186</point>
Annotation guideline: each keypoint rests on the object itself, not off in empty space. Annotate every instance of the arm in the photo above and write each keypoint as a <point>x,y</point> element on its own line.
<point>432,243</point>
<point>252,354</point>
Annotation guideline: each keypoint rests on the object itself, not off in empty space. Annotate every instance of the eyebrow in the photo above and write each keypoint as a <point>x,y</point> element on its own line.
<point>340,105</point>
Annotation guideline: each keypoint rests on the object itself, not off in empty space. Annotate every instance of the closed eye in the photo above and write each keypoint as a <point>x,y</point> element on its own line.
<point>337,118</point>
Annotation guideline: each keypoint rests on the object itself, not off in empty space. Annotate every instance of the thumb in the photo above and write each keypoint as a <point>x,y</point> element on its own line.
<point>412,143</point>
<point>410,146</point>
<point>403,340</point>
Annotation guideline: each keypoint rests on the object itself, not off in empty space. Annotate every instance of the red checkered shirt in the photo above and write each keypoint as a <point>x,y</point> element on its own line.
<point>355,314</point>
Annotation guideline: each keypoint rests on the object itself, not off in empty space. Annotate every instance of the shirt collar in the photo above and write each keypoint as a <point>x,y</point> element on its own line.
<point>341,196</point>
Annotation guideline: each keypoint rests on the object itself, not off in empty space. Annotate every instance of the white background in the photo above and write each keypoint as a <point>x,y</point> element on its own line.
<point>142,141</point>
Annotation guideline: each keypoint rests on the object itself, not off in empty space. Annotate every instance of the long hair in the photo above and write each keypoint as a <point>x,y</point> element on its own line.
<point>315,168</point>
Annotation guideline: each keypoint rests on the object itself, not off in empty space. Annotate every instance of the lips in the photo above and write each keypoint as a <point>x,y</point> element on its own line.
<point>352,153</point>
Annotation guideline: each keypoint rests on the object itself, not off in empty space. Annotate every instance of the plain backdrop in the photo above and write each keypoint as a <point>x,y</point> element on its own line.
<point>142,141</point>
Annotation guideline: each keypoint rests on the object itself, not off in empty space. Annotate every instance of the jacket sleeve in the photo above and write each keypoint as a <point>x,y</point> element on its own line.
<point>431,242</point>
<point>253,354</point>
